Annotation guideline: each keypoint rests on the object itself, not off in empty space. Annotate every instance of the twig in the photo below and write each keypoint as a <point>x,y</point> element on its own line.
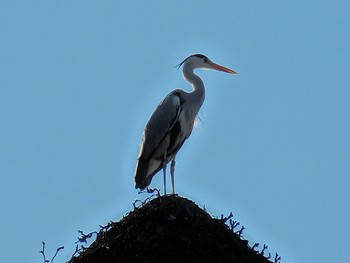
<point>84,237</point>
<point>239,233</point>
<point>255,246</point>
<point>264,248</point>
<point>224,219</point>
<point>58,249</point>
<point>44,256</point>
<point>150,191</point>
<point>147,199</point>
<point>77,250</point>
<point>234,224</point>
<point>277,258</point>
<point>43,253</point>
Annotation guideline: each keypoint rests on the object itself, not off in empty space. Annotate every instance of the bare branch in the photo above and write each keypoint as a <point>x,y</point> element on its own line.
<point>58,249</point>
<point>255,246</point>
<point>44,256</point>
<point>43,253</point>
<point>240,232</point>
<point>264,248</point>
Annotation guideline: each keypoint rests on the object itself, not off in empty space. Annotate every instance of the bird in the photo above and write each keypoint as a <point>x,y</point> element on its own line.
<point>171,123</point>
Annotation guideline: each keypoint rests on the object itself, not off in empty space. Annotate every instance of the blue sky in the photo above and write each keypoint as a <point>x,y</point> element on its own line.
<point>79,80</point>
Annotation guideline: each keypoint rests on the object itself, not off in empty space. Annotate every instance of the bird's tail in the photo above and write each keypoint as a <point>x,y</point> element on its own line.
<point>145,170</point>
<point>141,174</point>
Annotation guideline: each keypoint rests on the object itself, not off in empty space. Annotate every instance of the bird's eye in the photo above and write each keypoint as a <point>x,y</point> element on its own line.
<point>205,60</point>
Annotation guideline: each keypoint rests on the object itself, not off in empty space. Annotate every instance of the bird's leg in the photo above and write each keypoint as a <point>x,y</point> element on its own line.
<point>172,173</point>
<point>164,173</point>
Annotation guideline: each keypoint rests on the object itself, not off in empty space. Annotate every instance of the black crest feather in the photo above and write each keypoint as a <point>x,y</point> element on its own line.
<point>195,55</point>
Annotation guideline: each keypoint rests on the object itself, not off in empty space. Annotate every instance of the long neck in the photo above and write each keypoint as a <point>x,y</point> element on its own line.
<point>198,92</point>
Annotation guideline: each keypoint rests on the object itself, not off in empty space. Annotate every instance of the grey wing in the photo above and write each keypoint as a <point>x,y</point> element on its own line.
<point>159,124</point>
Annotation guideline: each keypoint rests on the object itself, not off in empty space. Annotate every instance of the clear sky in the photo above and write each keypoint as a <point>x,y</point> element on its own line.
<point>79,80</point>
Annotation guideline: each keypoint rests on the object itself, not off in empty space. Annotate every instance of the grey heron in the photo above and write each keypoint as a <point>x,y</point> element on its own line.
<point>171,124</point>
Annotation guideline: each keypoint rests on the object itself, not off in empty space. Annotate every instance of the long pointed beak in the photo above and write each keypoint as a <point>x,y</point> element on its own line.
<point>221,68</point>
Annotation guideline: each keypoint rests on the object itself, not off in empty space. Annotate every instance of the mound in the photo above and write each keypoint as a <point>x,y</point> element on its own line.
<point>168,229</point>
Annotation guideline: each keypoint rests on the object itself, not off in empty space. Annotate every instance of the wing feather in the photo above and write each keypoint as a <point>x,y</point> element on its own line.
<point>156,139</point>
<point>160,123</point>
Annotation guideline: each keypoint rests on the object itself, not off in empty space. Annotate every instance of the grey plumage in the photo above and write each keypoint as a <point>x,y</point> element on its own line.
<point>171,124</point>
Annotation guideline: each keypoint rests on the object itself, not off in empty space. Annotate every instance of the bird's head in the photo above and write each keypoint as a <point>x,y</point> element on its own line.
<point>203,62</point>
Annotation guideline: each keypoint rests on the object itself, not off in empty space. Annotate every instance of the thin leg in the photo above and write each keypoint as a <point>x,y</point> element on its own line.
<point>164,176</point>
<point>172,173</point>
